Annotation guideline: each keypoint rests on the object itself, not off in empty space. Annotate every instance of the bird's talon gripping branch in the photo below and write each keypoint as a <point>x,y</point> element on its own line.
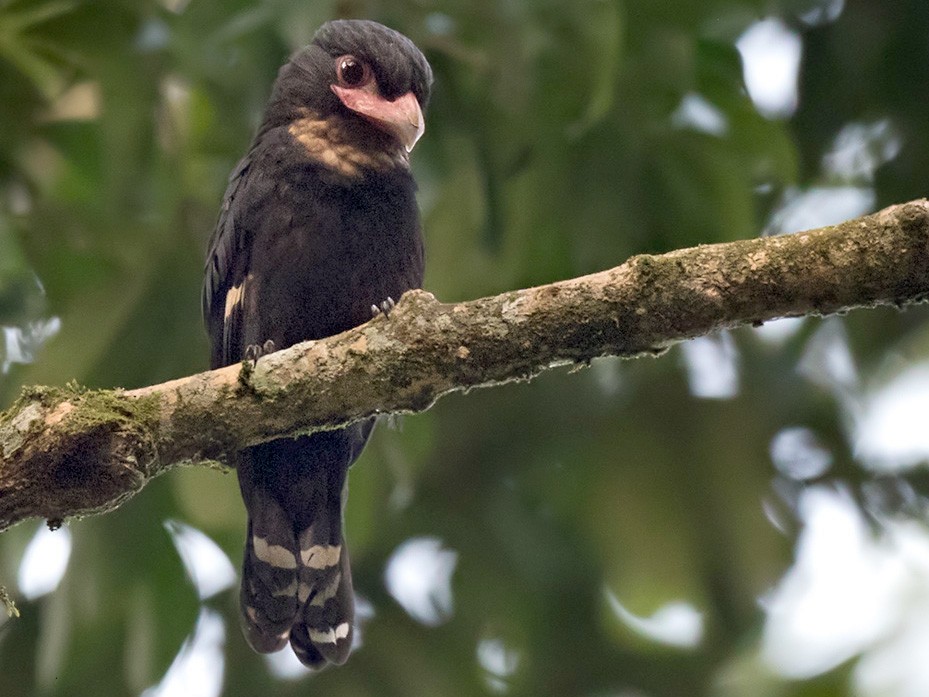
<point>255,351</point>
<point>384,308</point>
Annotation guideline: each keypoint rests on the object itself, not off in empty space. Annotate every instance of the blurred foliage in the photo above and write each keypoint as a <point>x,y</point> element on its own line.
<point>551,151</point>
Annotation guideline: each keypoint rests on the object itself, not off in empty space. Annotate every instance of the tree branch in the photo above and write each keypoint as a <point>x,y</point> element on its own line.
<point>69,451</point>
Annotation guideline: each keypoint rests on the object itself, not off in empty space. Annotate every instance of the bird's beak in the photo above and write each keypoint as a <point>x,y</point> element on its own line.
<point>402,118</point>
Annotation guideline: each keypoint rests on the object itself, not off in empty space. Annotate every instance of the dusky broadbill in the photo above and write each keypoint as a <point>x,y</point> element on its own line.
<point>318,224</point>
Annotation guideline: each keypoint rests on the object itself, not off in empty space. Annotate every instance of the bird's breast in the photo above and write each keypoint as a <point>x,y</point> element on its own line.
<point>334,252</point>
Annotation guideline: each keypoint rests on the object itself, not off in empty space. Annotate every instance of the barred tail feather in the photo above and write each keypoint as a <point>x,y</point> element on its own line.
<point>324,627</point>
<point>270,569</point>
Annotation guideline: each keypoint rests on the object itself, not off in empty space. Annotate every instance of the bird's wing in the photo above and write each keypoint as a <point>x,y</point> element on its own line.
<point>227,263</point>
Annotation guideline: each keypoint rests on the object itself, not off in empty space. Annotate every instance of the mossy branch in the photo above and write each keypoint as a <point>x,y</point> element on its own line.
<point>68,451</point>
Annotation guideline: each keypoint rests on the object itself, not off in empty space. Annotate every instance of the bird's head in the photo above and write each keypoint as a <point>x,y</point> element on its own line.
<point>360,75</point>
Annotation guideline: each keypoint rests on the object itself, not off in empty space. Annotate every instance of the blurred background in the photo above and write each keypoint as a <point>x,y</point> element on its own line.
<point>745,515</point>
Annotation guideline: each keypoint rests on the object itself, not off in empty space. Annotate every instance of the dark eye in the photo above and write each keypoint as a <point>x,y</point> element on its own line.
<point>352,72</point>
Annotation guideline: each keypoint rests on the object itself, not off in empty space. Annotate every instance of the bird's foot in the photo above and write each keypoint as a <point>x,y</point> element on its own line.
<point>383,308</point>
<point>255,351</point>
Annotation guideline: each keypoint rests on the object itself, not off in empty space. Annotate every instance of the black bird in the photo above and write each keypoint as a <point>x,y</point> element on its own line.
<point>318,228</point>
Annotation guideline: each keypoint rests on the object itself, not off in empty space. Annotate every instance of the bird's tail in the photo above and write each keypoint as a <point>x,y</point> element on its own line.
<point>297,588</point>
<point>296,579</point>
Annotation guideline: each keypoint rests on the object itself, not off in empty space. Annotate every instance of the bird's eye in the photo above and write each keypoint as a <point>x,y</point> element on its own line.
<point>352,72</point>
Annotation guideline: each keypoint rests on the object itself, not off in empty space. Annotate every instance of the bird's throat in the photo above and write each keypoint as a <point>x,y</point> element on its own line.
<point>349,149</point>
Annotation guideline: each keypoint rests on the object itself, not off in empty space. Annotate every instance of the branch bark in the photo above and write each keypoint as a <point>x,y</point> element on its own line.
<point>69,451</point>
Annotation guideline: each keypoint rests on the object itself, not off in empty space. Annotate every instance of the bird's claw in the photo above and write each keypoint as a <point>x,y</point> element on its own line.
<point>384,308</point>
<point>255,351</point>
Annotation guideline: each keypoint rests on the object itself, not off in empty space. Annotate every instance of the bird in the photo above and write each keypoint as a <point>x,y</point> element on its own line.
<point>319,230</point>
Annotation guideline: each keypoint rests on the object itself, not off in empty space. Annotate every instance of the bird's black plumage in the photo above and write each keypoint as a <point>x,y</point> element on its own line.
<point>319,223</point>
